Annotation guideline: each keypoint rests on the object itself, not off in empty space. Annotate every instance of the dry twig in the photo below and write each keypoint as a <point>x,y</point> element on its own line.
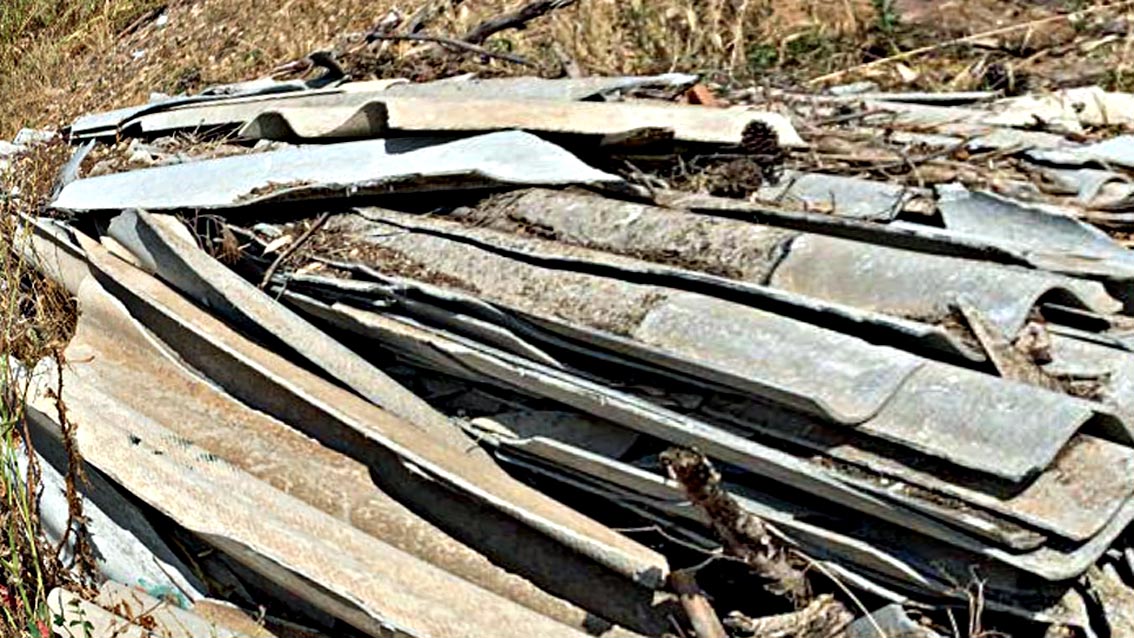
<point>704,619</point>
<point>294,246</point>
<point>743,534</point>
<point>427,13</point>
<point>823,617</point>
<point>515,20</point>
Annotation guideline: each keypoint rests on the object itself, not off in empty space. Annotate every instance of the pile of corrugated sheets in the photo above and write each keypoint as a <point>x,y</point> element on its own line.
<point>920,385</point>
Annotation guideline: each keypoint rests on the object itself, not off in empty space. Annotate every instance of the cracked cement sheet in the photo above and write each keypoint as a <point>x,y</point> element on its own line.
<point>642,492</point>
<point>844,196</point>
<point>647,510</point>
<point>905,235</point>
<point>724,257</point>
<point>892,394</point>
<point>365,582</point>
<point>1011,140</point>
<point>400,115</point>
<point>876,551</point>
<point>918,237</point>
<point>164,247</point>
<point>876,279</point>
<point>961,121</point>
<point>125,545</point>
<point>356,427</point>
<point>1055,564</point>
<point>844,378</point>
<point>1093,188</point>
<point>334,171</point>
<point>529,88</point>
<point>868,549</point>
<point>984,444</point>
<point>1032,227</point>
<point>972,520</point>
<point>208,111</point>
<point>927,287</point>
<point>1083,489</point>
<point>190,408</point>
<point>1110,369</point>
<point>623,409</point>
<point>588,469</point>
<point>112,123</point>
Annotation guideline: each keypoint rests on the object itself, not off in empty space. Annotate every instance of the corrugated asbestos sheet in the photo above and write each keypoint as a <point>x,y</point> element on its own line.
<point>408,360</point>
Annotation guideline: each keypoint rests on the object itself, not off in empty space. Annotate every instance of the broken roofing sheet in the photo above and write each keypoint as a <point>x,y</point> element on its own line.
<point>703,432</point>
<point>406,115</point>
<point>912,379</point>
<point>851,197</point>
<point>402,109</point>
<point>117,353</point>
<point>344,170</point>
<point>357,93</point>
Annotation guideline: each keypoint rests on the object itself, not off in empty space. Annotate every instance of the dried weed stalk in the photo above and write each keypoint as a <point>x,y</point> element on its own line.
<point>37,318</point>
<point>744,535</point>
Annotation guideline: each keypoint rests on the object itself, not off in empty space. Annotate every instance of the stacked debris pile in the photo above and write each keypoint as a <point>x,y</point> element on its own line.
<point>509,356</point>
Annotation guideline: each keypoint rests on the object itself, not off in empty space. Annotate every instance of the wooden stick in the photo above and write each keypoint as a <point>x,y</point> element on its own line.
<point>701,614</point>
<point>458,44</point>
<point>905,55</point>
<point>294,246</point>
<point>141,20</point>
<point>515,20</point>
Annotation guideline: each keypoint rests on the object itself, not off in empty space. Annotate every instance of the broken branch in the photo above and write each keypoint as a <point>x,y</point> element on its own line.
<point>743,534</point>
<point>515,20</point>
<point>823,616</point>
<point>290,250</point>
<point>701,614</point>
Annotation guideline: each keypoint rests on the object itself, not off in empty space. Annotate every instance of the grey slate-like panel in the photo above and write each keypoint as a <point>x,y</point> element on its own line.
<point>902,283</point>
<point>351,425</point>
<point>917,285</point>
<point>1034,227</point>
<point>528,88</point>
<point>723,445</point>
<point>1083,489</point>
<point>216,110</point>
<point>849,382</point>
<point>848,196</point>
<point>157,241</point>
<point>353,168</point>
<point>795,371</point>
<point>800,365</point>
<point>1116,151</point>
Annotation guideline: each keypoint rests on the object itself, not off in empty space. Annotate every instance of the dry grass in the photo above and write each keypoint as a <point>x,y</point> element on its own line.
<point>66,67</point>
<point>59,59</point>
<point>36,320</point>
